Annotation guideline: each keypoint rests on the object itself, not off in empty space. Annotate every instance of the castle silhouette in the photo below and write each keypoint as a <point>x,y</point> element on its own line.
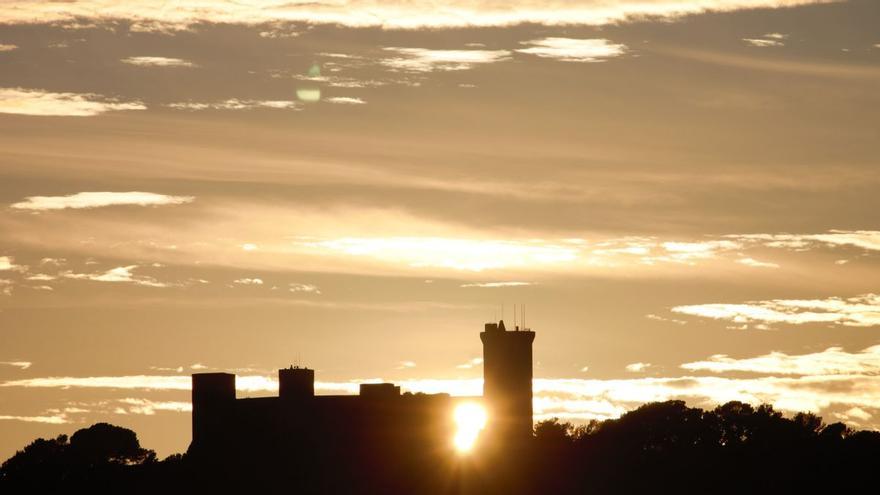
<point>379,415</point>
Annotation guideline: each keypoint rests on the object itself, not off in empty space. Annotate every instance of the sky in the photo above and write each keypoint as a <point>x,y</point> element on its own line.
<point>680,196</point>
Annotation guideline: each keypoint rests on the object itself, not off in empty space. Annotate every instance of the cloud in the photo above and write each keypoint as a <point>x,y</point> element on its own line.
<point>573,50</point>
<point>248,383</point>
<point>18,364</point>
<point>6,263</point>
<point>426,60</point>
<point>157,62</point>
<point>5,287</point>
<point>119,274</point>
<point>41,277</point>
<point>178,369</point>
<point>7,48</point>
<point>248,281</point>
<point>497,284</point>
<point>755,263</point>
<point>686,251</point>
<point>148,407</point>
<point>98,200</point>
<point>831,361</point>
<point>637,367</point>
<point>395,14</point>
<point>403,365</point>
<point>473,363</point>
<point>54,420</point>
<point>858,311</point>
<point>864,239</point>
<point>309,288</point>
<point>670,320</point>
<point>769,39</point>
<point>37,102</point>
<point>762,43</point>
<point>345,100</point>
<point>235,104</point>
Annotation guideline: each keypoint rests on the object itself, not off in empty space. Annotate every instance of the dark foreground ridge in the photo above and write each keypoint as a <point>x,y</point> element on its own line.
<point>663,447</point>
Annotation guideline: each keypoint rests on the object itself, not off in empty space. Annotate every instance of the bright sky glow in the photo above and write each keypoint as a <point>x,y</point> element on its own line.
<point>458,254</point>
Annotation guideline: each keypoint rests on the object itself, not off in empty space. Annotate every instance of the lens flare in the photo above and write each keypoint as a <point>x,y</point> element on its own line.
<point>470,419</point>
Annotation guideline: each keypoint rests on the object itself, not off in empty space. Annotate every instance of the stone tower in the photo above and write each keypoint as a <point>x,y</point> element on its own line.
<point>507,379</point>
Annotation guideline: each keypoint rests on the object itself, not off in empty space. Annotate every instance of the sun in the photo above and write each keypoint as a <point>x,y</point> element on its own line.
<point>470,419</point>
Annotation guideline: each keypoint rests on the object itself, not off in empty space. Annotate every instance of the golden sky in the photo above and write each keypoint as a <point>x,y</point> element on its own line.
<point>682,193</point>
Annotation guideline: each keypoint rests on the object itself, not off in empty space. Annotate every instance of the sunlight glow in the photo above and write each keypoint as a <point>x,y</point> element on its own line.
<point>454,253</point>
<point>470,419</point>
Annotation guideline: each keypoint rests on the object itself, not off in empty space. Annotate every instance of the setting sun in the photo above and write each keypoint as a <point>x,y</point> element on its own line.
<point>470,419</point>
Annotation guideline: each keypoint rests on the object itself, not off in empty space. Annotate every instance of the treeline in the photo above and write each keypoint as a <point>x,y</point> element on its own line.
<point>667,447</point>
<point>663,447</point>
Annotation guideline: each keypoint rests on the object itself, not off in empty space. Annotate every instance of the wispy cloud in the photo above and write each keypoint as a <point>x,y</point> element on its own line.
<point>831,361</point>
<point>59,419</point>
<point>660,318</point>
<point>427,60</point>
<point>637,367</point>
<point>7,47</point>
<point>18,364</point>
<point>573,50</point>
<point>769,39</point>
<point>99,199</point>
<point>864,239</point>
<point>120,274</point>
<point>473,363</point>
<point>405,365</point>
<point>308,288</point>
<point>762,43</point>
<point>248,281</point>
<point>755,263</point>
<point>37,102</point>
<point>858,311</point>
<point>248,383</point>
<point>148,407</point>
<point>157,62</point>
<point>345,100</point>
<point>235,104</point>
<point>497,284</point>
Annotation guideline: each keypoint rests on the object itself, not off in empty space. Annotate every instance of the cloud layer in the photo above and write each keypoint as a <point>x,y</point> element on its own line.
<point>37,102</point>
<point>150,14</point>
<point>99,199</point>
<point>858,311</point>
<point>831,361</point>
